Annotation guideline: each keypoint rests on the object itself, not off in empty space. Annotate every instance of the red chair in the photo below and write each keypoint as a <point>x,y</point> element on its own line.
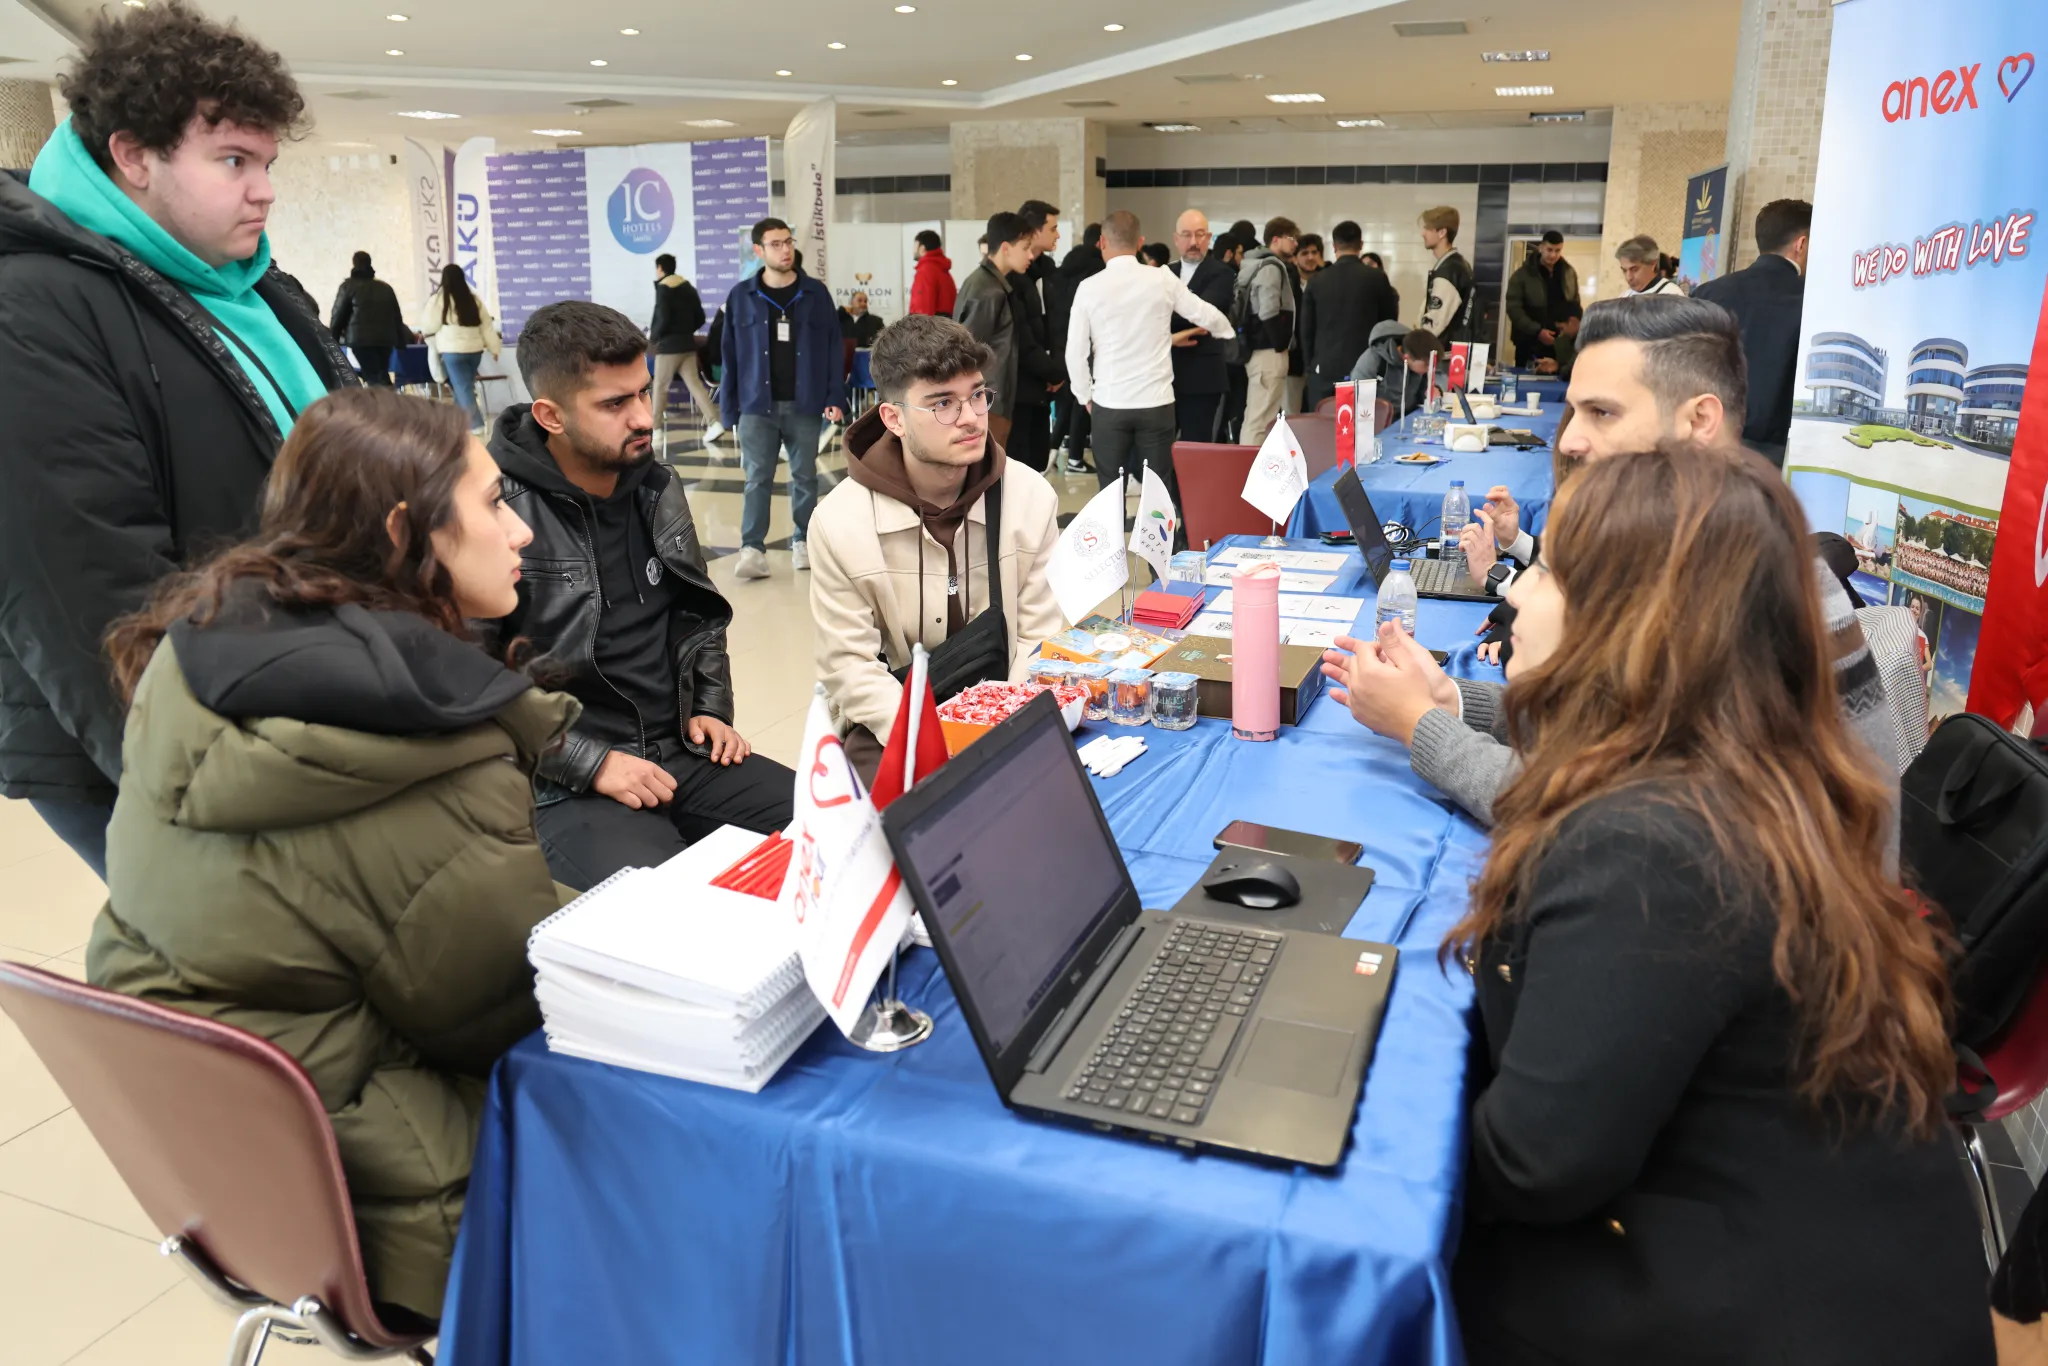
<point>1382,415</point>
<point>1211,481</point>
<point>1328,407</point>
<point>225,1143</point>
<point>2018,1063</point>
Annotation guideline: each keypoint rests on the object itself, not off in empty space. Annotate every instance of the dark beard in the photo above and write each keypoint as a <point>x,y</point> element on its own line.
<point>619,458</point>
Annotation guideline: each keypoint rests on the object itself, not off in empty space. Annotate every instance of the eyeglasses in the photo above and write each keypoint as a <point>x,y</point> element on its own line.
<point>946,412</point>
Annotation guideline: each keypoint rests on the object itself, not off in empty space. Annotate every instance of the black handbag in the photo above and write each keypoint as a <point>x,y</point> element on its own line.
<point>1973,839</point>
<point>980,650</point>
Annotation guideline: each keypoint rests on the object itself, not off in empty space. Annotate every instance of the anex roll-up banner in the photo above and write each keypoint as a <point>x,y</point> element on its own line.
<point>1916,432</point>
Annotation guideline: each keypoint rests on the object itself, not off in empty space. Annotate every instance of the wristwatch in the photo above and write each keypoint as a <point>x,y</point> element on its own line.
<point>1498,578</point>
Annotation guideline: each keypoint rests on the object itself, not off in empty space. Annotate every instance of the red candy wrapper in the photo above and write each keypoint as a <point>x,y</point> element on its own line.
<point>987,704</point>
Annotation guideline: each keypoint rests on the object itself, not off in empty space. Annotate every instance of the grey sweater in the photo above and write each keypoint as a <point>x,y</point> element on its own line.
<point>1469,761</point>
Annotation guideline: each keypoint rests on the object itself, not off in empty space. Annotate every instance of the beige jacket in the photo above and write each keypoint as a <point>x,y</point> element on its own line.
<point>453,336</point>
<point>864,587</point>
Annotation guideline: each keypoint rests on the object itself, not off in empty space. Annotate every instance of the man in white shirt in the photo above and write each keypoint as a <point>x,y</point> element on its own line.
<point>1124,316</point>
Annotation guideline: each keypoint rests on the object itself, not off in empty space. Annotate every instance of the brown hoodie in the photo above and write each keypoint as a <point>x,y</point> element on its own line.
<point>874,460</point>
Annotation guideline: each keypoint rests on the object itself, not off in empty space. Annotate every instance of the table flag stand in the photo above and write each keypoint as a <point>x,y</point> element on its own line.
<point>889,1024</point>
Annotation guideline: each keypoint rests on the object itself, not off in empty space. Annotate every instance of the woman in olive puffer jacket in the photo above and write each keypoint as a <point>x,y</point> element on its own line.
<point>324,833</point>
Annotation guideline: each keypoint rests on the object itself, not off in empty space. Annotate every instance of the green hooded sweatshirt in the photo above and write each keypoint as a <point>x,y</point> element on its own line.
<point>65,174</point>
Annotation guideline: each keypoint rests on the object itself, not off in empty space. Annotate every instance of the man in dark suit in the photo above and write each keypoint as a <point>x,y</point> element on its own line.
<point>1340,306</point>
<point>1768,299</point>
<point>1200,374</point>
<point>1041,299</point>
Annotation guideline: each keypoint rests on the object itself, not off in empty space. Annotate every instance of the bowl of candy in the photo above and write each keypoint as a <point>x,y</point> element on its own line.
<point>984,706</point>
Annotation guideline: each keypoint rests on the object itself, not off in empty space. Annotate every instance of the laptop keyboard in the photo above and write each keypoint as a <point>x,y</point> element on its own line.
<point>1162,1055</point>
<point>1440,576</point>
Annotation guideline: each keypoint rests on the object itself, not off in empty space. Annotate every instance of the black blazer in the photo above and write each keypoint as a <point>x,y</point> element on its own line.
<point>1767,299</point>
<point>1202,368</point>
<point>1341,305</point>
<point>1645,1186</point>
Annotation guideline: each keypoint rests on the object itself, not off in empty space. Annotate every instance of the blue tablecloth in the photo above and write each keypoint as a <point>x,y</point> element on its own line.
<point>888,1209</point>
<point>1414,494</point>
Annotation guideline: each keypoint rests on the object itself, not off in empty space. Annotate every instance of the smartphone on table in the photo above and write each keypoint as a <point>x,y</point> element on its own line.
<point>1272,839</point>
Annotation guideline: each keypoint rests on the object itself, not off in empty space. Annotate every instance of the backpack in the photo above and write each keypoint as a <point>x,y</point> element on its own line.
<point>1246,326</point>
<point>1973,840</point>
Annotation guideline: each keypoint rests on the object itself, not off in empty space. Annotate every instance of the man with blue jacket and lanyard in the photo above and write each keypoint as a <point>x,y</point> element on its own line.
<point>784,375</point>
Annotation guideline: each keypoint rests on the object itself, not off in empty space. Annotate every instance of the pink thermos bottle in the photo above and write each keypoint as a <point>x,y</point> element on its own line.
<point>1255,653</point>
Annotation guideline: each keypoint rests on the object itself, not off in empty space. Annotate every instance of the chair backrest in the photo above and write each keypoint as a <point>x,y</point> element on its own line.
<point>1328,407</point>
<point>218,1134</point>
<point>1317,434</point>
<point>1211,479</point>
<point>1382,415</point>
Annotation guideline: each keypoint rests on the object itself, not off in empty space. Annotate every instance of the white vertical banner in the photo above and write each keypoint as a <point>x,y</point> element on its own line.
<point>807,176</point>
<point>471,220</point>
<point>641,203</point>
<point>870,259</point>
<point>426,195</point>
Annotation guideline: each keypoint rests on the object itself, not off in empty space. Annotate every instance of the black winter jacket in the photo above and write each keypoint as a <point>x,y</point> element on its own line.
<point>133,444</point>
<point>1041,330</point>
<point>678,313</point>
<point>366,313</point>
<point>1646,1184</point>
<point>561,600</point>
<point>1340,306</point>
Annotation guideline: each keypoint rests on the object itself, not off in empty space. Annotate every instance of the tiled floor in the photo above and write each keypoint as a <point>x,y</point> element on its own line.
<point>80,1277</point>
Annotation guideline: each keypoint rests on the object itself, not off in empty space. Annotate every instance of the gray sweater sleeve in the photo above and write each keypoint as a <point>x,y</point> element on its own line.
<point>1468,761</point>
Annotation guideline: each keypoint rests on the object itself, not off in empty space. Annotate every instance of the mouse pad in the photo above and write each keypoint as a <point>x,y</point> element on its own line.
<point>1331,894</point>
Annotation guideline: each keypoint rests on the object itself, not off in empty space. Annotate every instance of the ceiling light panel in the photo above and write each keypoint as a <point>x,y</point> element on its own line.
<point>426,114</point>
<point>629,33</point>
<point>707,123</point>
<point>1112,28</point>
<point>1534,54</point>
<point>1559,116</point>
<point>1361,123</point>
<point>1175,127</point>
<point>837,47</point>
<point>559,132</point>
<point>1300,98</point>
<point>1522,92</point>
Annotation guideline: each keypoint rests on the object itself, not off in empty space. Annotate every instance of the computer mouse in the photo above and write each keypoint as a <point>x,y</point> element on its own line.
<point>1254,882</point>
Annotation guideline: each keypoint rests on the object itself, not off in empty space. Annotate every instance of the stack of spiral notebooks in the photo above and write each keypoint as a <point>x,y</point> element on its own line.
<point>659,970</point>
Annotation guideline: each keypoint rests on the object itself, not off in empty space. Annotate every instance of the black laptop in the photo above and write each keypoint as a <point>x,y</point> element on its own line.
<point>1207,1034</point>
<point>1433,578</point>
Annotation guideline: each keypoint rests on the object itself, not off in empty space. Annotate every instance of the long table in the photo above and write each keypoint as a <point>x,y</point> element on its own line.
<point>1414,494</point>
<point>887,1208</point>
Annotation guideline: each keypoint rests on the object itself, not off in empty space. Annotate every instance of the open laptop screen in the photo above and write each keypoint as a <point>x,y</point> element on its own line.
<point>1365,525</point>
<point>1020,872</point>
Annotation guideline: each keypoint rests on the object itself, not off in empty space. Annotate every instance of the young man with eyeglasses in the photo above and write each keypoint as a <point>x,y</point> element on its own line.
<point>900,548</point>
<point>784,377</point>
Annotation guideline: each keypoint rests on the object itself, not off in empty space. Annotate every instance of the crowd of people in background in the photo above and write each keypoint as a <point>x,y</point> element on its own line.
<point>334,692</point>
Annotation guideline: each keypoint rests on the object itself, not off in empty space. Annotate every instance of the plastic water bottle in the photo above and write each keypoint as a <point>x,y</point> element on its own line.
<point>1397,598</point>
<point>1457,512</point>
<point>1509,391</point>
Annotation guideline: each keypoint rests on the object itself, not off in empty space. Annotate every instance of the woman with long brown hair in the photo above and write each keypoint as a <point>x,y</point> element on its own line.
<point>1709,1122</point>
<point>324,833</point>
<point>460,328</point>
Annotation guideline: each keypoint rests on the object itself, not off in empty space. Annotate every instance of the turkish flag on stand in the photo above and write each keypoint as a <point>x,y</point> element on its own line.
<point>1347,422</point>
<point>2011,670</point>
<point>916,732</point>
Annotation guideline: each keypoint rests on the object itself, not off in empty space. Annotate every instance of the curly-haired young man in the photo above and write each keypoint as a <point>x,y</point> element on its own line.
<point>152,359</point>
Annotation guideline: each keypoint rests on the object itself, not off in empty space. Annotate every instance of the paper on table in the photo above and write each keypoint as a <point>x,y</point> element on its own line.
<point>1223,575</point>
<point>1320,561</point>
<point>1293,630</point>
<point>1302,607</point>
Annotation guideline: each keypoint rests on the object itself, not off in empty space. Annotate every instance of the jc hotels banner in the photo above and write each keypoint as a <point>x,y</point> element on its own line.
<point>1917,432</point>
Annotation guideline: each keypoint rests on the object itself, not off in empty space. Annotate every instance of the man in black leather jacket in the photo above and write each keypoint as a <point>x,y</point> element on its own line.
<point>619,611</point>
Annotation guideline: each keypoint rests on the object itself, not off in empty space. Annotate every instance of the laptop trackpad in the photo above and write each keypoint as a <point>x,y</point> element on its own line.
<point>1300,1057</point>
